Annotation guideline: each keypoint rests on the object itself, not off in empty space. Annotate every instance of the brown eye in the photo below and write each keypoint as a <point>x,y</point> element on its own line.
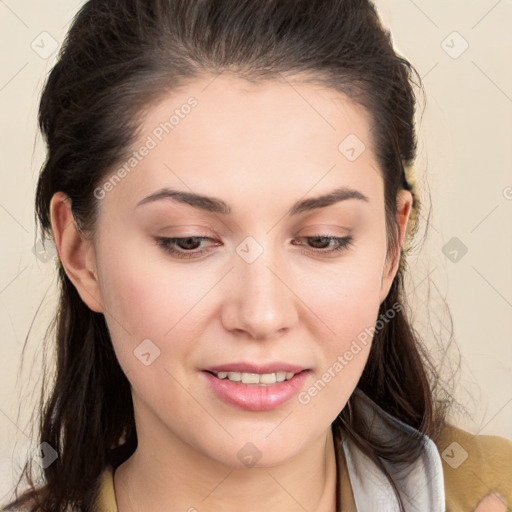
<point>319,240</point>
<point>187,246</point>
<point>186,243</point>
<point>320,243</point>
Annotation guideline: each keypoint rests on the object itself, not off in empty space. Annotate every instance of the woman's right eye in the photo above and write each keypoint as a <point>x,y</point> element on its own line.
<point>169,246</point>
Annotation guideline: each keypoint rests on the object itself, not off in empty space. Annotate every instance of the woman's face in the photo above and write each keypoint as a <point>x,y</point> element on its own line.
<point>253,294</point>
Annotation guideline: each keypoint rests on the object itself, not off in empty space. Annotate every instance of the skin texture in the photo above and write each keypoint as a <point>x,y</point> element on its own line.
<point>259,148</point>
<point>492,503</point>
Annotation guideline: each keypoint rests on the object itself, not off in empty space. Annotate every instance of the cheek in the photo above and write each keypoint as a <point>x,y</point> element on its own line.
<point>140,289</point>
<point>142,300</point>
<point>345,298</point>
<point>347,303</point>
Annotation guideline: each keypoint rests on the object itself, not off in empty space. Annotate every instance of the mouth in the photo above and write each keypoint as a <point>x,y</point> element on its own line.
<point>242,386</point>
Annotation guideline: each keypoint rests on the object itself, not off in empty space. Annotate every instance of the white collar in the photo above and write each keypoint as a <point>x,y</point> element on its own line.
<point>421,484</point>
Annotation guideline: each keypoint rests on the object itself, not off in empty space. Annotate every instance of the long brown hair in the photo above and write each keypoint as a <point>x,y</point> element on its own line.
<point>119,57</point>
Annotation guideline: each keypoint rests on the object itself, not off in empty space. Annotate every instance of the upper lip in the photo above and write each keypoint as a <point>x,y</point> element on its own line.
<point>243,367</point>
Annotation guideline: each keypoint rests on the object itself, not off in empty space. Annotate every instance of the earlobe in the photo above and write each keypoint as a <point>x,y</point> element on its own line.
<point>75,252</point>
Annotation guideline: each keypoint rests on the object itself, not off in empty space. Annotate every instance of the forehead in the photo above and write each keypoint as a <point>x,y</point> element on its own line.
<point>225,136</point>
<point>228,105</point>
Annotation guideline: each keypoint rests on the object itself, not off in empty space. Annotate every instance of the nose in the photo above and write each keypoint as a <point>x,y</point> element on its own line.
<point>262,302</point>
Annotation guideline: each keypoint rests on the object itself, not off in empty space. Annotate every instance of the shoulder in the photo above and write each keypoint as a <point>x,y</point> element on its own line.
<point>474,468</point>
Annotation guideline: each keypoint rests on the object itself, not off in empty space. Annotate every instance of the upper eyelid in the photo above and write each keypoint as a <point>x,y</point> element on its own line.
<point>348,239</point>
<point>211,238</point>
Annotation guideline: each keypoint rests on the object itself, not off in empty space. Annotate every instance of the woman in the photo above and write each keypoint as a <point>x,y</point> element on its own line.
<point>229,188</point>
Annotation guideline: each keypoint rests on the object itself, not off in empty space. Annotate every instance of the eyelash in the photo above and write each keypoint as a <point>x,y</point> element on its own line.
<point>167,245</point>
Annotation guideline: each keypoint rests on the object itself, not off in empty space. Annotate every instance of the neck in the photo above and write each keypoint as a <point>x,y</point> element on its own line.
<point>152,479</point>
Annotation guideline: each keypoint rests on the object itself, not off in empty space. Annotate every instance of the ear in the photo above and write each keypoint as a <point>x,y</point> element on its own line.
<point>404,207</point>
<point>76,253</point>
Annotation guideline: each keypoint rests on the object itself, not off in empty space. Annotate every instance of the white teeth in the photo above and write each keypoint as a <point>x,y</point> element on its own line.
<point>256,378</point>
<point>281,376</point>
<point>268,378</point>
<point>250,378</point>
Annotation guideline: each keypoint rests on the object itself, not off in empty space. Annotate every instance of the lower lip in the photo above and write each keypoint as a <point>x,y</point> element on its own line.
<point>253,397</point>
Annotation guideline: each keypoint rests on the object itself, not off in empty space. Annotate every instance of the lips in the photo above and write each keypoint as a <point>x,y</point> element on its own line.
<point>252,396</point>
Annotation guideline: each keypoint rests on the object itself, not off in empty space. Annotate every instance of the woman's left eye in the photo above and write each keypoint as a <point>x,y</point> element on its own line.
<point>189,245</point>
<point>341,243</point>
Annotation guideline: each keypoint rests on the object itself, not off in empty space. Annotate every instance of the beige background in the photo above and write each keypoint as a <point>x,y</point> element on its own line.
<point>464,164</point>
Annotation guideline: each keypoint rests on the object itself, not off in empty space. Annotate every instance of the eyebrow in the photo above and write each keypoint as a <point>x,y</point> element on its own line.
<point>216,205</point>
